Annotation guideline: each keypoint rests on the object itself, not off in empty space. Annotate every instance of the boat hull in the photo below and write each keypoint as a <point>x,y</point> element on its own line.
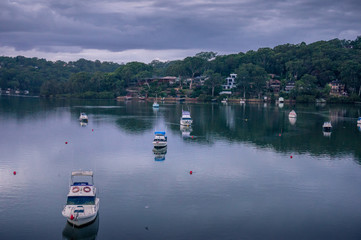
<point>159,144</point>
<point>186,122</point>
<point>81,219</point>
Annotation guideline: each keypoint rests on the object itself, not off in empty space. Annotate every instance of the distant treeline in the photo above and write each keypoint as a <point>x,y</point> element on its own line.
<point>310,66</point>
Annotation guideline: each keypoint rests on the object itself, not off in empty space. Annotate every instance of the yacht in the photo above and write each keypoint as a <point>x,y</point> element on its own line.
<point>160,140</point>
<point>292,114</point>
<point>186,119</point>
<point>83,117</point>
<point>82,204</point>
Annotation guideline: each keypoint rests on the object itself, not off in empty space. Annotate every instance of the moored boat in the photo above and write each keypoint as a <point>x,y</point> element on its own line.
<point>327,126</point>
<point>83,117</point>
<point>160,139</point>
<point>186,119</point>
<point>292,114</point>
<point>82,203</point>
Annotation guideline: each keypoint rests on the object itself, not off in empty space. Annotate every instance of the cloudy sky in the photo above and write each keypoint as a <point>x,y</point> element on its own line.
<point>144,30</point>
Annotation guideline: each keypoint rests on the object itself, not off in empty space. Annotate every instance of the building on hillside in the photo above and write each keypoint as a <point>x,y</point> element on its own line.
<point>289,86</point>
<point>273,83</point>
<point>230,82</point>
<point>337,88</point>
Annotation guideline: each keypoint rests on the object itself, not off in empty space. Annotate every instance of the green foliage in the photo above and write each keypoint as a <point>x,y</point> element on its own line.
<point>311,66</point>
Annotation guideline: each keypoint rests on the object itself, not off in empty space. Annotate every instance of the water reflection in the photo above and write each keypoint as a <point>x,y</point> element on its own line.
<point>88,232</point>
<point>186,131</point>
<point>292,120</point>
<point>159,153</point>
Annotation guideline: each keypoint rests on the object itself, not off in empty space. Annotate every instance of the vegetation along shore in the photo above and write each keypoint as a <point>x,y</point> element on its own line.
<point>321,71</point>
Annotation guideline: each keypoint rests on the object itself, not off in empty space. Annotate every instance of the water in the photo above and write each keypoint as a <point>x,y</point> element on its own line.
<point>244,183</point>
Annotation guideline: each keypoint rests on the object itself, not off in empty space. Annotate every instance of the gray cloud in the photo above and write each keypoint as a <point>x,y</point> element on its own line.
<point>223,26</point>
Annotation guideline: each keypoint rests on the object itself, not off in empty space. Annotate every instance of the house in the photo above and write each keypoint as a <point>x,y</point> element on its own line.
<point>275,85</point>
<point>230,82</point>
<point>337,88</point>
<point>289,86</point>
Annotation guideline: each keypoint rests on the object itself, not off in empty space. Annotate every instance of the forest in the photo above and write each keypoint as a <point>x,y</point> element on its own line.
<point>310,66</point>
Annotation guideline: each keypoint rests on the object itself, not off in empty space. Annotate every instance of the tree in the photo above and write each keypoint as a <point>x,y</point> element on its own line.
<point>213,80</point>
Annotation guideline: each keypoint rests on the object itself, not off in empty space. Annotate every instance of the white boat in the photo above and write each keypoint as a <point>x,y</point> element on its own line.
<point>128,97</point>
<point>82,204</point>
<point>292,114</point>
<point>225,100</point>
<point>83,117</point>
<point>155,105</point>
<point>359,121</point>
<point>186,119</point>
<point>160,140</point>
<point>242,101</point>
<point>281,100</point>
<point>327,126</point>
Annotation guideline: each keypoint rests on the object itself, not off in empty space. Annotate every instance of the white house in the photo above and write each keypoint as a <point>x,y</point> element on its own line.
<point>230,82</point>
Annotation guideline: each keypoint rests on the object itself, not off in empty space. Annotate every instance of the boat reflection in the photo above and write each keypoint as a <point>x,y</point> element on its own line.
<point>159,153</point>
<point>88,232</point>
<point>186,131</point>
<point>83,124</point>
<point>292,120</point>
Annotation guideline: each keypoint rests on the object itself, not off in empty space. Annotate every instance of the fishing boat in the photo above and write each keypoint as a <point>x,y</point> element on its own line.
<point>327,126</point>
<point>186,119</point>
<point>83,117</point>
<point>292,114</point>
<point>160,140</point>
<point>82,204</point>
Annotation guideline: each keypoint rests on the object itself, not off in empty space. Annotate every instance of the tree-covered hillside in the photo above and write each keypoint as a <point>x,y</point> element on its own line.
<point>311,67</point>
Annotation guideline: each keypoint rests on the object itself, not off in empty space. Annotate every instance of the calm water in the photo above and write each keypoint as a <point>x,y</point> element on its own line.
<point>244,185</point>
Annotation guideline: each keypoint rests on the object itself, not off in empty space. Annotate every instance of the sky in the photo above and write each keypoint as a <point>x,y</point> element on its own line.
<point>129,30</point>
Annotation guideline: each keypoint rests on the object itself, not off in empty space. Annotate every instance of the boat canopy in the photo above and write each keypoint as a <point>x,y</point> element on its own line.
<point>161,133</point>
<point>186,113</point>
<point>82,173</point>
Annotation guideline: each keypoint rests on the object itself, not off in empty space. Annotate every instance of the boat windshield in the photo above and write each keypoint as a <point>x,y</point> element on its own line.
<point>81,200</point>
<point>186,118</point>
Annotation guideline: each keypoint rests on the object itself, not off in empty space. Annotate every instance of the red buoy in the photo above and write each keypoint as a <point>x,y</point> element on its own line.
<point>71,217</point>
<point>291,156</point>
<point>92,130</point>
<point>279,134</point>
<point>190,172</point>
<point>192,136</point>
<point>66,142</point>
<point>14,172</point>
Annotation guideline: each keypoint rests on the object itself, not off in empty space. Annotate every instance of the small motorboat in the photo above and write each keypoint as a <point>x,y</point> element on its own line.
<point>327,126</point>
<point>186,119</point>
<point>82,204</point>
<point>155,105</point>
<point>292,114</point>
<point>83,117</point>
<point>160,140</point>
<point>281,100</point>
